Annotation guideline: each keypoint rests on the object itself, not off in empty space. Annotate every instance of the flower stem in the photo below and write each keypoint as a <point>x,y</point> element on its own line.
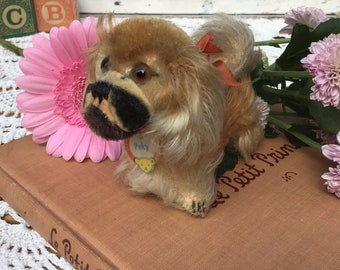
<point>283,93</point>
<point>290,114</point>
<point>273,42</point>
<point>287,127</point>
<point>291,74</point>
<point>10,46</point>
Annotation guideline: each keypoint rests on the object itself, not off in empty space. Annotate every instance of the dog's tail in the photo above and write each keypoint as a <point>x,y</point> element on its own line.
<point>230,41</point>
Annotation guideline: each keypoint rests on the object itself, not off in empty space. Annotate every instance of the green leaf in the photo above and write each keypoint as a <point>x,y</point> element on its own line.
<point>296,49</point>
<point>327,118</point>
<point>303,87</point>
<point>326,28</point>
<point>305,130</point>
<point>301,39</point>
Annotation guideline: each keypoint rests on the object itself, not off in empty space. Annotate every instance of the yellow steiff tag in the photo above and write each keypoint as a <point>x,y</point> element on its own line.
<point>146,164</point>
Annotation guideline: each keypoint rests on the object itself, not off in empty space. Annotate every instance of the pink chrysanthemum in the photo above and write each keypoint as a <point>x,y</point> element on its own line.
<point>263,109</point>
<point>333,180</point>
<point>309,16</point>
<point>53,82</point>
<point>324,65</point>
<point>332,151</point>
<point>325,137</point>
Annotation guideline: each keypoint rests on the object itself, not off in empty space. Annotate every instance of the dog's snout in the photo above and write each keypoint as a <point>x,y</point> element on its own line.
<point>130,109</point>
<point>121,107</point>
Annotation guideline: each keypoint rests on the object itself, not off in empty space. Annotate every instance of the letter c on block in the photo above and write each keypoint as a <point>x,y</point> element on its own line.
<point>14,16</point>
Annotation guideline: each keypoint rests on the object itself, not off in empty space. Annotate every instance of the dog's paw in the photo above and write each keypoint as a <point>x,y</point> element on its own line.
<point>195,207</point>
<point>198,208</point>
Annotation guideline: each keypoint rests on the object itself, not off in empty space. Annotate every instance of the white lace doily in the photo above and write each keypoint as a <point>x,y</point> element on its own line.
<point>10,117</point>
<point>23,248</point>
<point>20,246</point>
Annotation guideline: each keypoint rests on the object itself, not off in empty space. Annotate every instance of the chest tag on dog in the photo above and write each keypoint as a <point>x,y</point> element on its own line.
<point>142,151</point>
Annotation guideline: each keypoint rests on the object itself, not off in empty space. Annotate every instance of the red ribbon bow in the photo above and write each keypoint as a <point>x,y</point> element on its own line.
<point>207,46</point>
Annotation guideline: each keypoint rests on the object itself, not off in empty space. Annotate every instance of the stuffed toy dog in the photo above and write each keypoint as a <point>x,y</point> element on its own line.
<point>175,101</point>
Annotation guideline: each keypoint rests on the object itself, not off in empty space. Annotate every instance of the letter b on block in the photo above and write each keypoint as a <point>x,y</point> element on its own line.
<point>53,12</point>
<point>58,13</point>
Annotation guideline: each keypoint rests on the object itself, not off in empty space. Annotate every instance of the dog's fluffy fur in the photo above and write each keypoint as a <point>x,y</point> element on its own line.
<point>183,107</point>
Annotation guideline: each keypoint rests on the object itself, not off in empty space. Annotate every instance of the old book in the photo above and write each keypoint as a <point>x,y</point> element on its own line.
<point>272,212</point>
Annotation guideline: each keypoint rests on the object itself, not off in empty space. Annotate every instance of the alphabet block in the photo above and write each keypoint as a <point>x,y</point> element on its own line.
<point>51,13</point>
<point>17,18</point>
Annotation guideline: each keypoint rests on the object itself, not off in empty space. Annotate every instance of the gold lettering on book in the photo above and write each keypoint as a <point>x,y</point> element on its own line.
<point>240,178</point>
<point>276,155</point>
<point>67,252</point>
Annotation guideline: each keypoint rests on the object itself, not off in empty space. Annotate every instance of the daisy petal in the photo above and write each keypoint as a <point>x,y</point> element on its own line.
<point>69,42</point>
<point>41,43</point>
<point>77,30</point>
<point>40,133</point>
<point>74,137</point>
<point>31,120</point>
<point>84,144</point>
<point>35,84</point>
<point>113,149</point>
<point>96,149</point>
<point>34,67</point>
<point>34,103</point>
<point>42,60</point>
<point>39,140</point>
<point>90,30</point>
<point>54,144</point>
<point>60,51</point>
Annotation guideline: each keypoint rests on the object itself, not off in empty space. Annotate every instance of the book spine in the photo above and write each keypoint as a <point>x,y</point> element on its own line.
<point>75,250</point>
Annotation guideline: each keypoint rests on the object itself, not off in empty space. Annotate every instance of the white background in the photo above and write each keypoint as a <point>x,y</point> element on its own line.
<point>203,6</point>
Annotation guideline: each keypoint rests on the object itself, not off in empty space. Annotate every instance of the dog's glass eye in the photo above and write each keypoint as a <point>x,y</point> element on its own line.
<point>141,73</point>
<point>105,65</point>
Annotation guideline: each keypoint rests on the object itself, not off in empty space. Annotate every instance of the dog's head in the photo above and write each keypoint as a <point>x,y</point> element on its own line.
<point>148,72</point>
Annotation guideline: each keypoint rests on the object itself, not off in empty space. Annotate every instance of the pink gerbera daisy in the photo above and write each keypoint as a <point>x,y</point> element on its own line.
<point>324,65</point>
<point>53,82</point>
<point>309,16</point>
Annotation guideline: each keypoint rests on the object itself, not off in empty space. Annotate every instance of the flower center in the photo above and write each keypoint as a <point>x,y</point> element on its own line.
<point>69,92</point>
<point>78,87</point>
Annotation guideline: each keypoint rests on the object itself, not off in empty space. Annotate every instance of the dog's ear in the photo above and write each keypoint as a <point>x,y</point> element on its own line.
<point>104,27</point>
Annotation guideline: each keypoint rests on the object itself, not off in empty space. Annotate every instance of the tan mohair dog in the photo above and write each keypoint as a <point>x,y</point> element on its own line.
<point>150,86</point>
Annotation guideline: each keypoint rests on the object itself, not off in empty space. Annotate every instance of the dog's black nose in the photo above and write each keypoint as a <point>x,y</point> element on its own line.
<point>100,90</point>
